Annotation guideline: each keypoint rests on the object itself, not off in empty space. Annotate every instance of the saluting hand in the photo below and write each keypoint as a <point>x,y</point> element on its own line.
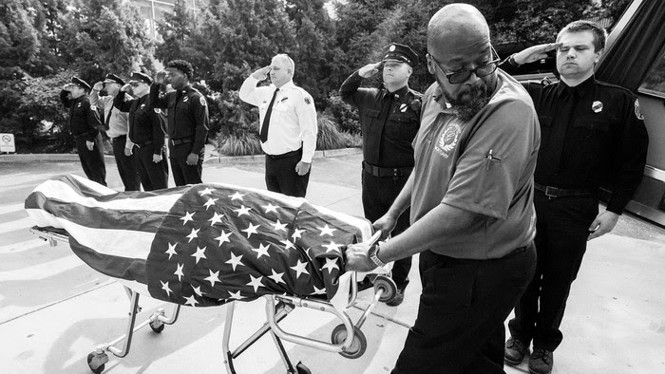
<point>261,74</point>
<point>370,70</point>
<point>125,88</point>
<point>160,77</point>
<point>302,168</point>
<point>603,224</point>
<point>192,159</point>
<point>98,86</point>
<point>534,53</point>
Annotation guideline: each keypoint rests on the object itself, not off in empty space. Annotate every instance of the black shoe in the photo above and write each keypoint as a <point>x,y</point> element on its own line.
<point>514,351</point>
<point>541,361</point>
<point>397,299</point>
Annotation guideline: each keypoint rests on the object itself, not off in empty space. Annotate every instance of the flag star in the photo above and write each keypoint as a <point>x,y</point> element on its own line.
<point>179,272</point>
<point>207,191</point>
<point>193,234</point>
<point>223,237</point>
<point>255,282</point>
<point>235,295</point>
<point>277,277</point>
<point>319,291</point>
<point>191,300</point>
<point>243,210</point>
<point>325,230</point>
<point>216,218</point>
<point>262,250</point>
<point>197,291</point>
<point>237,196</point>
<point>279,226</point>
<point>331,263</point>
<point>235,261</point>
<point>301,267</point>
<point>297,234</point>
<point>212,278</point>
<point>288,244</point>
<point>209,203</point>
<point>251,229</point>
<point>188,217</point>
<point>171,251</point>
<point>199,254</point>
<point>332,247</point>
<point>165,287</point>
<point>270,208</point>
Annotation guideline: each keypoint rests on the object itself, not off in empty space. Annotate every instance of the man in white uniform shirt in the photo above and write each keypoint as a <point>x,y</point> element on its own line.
<point>288,127</point>
<point>116,124</point>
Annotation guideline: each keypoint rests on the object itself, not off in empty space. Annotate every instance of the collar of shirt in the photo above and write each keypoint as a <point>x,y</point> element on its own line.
<point>286,86</point>
<point>582,89</point>
<point>399,95</point>
<point>440,99</point>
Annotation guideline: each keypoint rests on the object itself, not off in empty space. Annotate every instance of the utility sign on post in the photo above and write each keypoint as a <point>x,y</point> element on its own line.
<point>7,143</point>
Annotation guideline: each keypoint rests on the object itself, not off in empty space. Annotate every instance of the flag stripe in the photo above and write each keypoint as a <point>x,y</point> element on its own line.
<point>113,266</point>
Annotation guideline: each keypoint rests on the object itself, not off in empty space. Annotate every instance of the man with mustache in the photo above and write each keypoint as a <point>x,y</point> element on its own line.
<point>389,118</point>
<point>593,135</point>
<point>471,202</point>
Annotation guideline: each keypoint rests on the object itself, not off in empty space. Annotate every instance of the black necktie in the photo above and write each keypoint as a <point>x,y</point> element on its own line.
<point>558,136</point>
<point>108,119</point>
<point>263,135</point>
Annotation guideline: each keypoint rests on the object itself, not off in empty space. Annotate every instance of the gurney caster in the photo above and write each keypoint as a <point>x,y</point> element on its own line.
<point>302,369</point>
<point>97,361</point>
<point>387,287</point>
<point>358,345</point>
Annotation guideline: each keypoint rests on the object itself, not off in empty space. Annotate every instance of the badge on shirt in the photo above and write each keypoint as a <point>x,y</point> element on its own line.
<point>448,140</point>
<point>91,107</point>
<point>78,106</point>
<point>638,112</point>
<point>185,99</point>
<point>403,107</point>
<point>597,107</point>
<point>142,106</point>
<point>158,111</point>
<point>202,101</point>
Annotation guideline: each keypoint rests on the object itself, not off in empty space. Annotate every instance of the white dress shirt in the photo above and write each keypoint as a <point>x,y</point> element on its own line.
<point>293,118</point>
<point>119,121</point>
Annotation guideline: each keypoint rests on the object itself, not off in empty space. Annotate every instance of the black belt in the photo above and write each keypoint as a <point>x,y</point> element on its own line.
<point>554,192</point>
<point>181,141</point>
<point>387,172</point>
<point>143,144</point>
<point>285,155</point>
<point>119,137</point>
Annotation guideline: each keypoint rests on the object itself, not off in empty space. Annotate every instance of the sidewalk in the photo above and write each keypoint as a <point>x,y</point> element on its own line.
<point>54,309</point>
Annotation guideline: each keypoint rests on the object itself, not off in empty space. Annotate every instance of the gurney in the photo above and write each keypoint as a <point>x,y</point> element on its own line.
<point>96,222</point>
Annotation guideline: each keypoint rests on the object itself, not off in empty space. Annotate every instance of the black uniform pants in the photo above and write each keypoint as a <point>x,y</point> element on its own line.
<point>459,326</point>
<point>154,176</point>
<point>281,174</point>
<point>182,173</point>
<point>126,165</point>
<point>378,194</point>
<point>92,161</point>
<point>561,238</point>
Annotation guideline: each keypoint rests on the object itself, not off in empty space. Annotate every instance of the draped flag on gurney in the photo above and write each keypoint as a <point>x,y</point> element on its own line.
<point>201,245</point>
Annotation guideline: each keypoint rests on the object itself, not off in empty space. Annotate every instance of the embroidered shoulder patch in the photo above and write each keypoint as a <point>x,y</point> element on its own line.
<point>638,112</point>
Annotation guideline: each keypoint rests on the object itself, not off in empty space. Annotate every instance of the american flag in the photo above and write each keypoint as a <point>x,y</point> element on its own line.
<point>201,245</point>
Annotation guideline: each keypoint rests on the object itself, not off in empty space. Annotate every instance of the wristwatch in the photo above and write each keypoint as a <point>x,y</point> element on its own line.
<point>512,62</point>
<point>374,255</point>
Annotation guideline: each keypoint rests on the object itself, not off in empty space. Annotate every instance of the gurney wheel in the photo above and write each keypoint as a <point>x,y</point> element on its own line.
<point>302,369</point>
<point>387,285</point>
<point>96,362</point>
<point>358,345</point>
<point>157,326</point>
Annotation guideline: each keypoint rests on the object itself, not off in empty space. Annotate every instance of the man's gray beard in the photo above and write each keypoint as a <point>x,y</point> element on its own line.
<point>466,111</point>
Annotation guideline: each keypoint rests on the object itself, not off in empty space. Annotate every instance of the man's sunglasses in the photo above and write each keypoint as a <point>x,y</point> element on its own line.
<point>459,76</point>
<point>135,84</point>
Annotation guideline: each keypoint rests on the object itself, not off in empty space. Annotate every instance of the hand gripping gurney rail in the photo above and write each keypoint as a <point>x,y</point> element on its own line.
<point>210,245</point>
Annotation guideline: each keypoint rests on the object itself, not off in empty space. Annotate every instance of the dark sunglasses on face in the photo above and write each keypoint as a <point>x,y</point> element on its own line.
<point>134,84</point>
<point>459,76</point>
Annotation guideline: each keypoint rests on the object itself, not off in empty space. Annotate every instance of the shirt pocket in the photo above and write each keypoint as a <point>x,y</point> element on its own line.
<point>404,126</point>
<point>546,123</point>
<point>592,134</point>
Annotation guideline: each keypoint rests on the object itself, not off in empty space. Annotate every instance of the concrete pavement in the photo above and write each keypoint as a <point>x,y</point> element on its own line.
<point>54,309</point>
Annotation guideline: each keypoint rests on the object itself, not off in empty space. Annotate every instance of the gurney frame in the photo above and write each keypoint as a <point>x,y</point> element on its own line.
<point>347,339</point>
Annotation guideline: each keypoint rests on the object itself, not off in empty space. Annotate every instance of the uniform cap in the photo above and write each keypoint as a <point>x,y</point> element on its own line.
<point>81,83</point>
<point>112,78</point>
<point>400,53</point>
<point>137,76</point>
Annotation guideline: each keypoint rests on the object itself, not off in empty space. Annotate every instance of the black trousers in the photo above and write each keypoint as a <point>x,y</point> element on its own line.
<point>281,175</point>
<point>561,238</point>
<point>182,173</point>
<point>459,327</point>
<point>126,165</point>
<point>378,194</point>
<point>154,176</point>
<point>92,161</point>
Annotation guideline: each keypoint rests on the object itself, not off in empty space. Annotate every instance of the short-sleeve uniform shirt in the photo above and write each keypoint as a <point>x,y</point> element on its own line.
<point>484,165</point>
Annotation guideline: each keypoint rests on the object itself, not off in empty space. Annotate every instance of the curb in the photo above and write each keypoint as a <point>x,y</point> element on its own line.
<point>210,159</point>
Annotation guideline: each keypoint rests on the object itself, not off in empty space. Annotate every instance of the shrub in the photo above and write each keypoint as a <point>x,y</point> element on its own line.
<point>330,137</point>
<point>343,114</point>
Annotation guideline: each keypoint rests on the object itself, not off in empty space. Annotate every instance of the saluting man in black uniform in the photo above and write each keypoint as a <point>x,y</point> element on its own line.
<point>146,132</point>
<point>593,134</point>
<point>84,124</point>
<point>390,119</point>
<point>187,121</point>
